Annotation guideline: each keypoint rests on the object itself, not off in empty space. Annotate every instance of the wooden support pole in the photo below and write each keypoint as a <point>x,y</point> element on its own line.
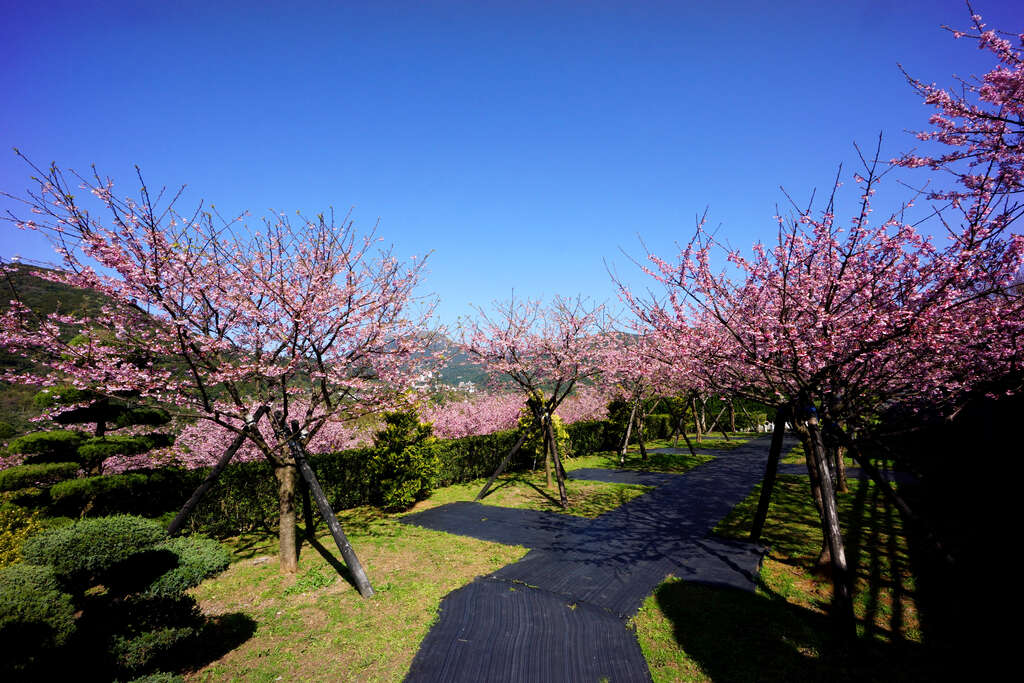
<point>771,470</point>
<point>179,520</point>
<point>347,553</point>
<point>502,466</point>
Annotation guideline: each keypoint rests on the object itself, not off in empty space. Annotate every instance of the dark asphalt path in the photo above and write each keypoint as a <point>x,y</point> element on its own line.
<point>560,613</point>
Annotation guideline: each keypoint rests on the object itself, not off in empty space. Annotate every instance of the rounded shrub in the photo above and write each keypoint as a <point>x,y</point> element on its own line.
<point>35,615</point>
<point>59,445</point>
<point>41,474</point>
<point>405,464</point>
<point>85,549</point>
<point>197,558</point>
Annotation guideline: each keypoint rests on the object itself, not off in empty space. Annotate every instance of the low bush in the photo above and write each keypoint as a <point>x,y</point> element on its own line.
<point>143,492</point>
<point>42,474</point>
<point>36,616</point>
<point>196,558</point>
<point>59,445</point>
<point>80,552</point>
<point>16,525</point>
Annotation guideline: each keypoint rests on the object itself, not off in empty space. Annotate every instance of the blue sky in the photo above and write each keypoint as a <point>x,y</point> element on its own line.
<point>522,143</point>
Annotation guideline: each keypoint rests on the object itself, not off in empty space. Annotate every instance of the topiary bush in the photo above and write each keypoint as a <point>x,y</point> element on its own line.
<point>36,616</point>
<point>79,553</point>
<point>42,474</point>
<point>196,558</point>
<point>404,463</point>
<point>59,445</point>
<point>140,620</point>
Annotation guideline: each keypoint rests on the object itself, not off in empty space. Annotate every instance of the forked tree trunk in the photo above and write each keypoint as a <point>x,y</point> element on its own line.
<point>842,598</point>
<point>696,419</point>
<point>625,438</point>
<point>771,470</point>
<point>563,499</point>
<point>286,536</point>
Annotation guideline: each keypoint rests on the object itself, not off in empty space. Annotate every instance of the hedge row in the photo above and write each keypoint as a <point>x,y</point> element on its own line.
<point>245,496</point>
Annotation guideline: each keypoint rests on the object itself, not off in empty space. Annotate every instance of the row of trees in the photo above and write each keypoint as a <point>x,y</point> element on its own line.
<point>275,335</point>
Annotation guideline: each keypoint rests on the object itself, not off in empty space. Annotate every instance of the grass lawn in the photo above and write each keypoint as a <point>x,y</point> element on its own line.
<point>783,632</point>
<point>317,627</point>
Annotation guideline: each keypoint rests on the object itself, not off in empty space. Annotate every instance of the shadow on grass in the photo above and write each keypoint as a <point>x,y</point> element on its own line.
<point>738,636</point>
<point>219,636</point>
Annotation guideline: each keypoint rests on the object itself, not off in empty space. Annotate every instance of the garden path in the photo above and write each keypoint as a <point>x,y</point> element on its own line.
<point>561,613</point>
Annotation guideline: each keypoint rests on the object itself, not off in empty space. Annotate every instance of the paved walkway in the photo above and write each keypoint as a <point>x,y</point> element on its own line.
<point>560,613</point>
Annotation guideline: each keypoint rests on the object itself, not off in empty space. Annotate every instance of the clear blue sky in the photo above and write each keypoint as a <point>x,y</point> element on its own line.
<point>521,142</point>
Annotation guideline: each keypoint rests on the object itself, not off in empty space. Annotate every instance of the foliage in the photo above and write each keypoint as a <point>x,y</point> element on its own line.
<point>36,616</point>
<point>196,558</point>
<point>80,552</point>
<point>140,492</point>
<point>22,476</point>
<point>404,463</point>
<point>128,579</point>
<point>60,445</point>
<point>17,524</point>
<point>535,437</point>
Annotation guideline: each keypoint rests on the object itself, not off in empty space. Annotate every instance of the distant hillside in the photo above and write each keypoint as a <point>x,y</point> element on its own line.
<point>44,297</point>
<point>47,297</point>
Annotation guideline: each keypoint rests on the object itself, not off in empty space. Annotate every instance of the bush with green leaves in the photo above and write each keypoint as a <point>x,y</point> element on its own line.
<point>58,445</point>
<point>141,617</point>
<point>81,552</point>
<point>535,439</point>
<point>404,462</point>
<point>40,474</point>
<point>17,524</point>
<point>36,617</point>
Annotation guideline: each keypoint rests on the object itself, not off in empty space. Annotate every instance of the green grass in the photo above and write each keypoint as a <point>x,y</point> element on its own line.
<point>656,462</point>
<point>528,490</point>
<point>708,442</point>
<point>315,626</point>
<point>783,631</point>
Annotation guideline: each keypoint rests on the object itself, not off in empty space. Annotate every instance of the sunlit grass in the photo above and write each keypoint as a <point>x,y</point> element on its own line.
<point>784,631</point>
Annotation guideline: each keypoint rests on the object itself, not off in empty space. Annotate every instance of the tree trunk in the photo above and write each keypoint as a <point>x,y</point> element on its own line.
<point>502,466</point>
<point>688,444</point>
<point>771,470</point>
<point>839,467</point>
<point>563,499</point>
<point>642,436</point>
<point>625,439</point>
<point>680,427</point>
<point>732,417</point>
<point>814,478</point>
<point>696,419</point>
<point>355,567</point>
<point>287,538</point>
<point>841,585</point>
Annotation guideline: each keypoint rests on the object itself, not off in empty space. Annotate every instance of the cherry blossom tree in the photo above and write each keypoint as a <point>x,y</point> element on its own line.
<point>544,352</point>
<point>293,324</point>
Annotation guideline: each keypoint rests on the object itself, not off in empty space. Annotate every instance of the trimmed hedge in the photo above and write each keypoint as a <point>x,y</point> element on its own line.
<point>24,476</point>
<point>36,618</point>
<point>143,492</point>
<point>197,558</point>
<point>59,445</point>
<point>245,495</point>
<point>81,551</point>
